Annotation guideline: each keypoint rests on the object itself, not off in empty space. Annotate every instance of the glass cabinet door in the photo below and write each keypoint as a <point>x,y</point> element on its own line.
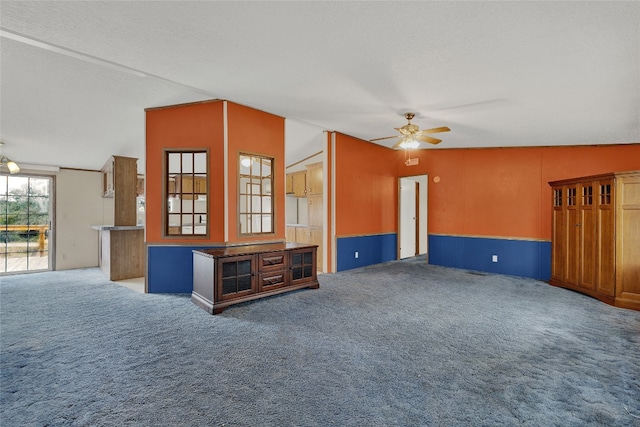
<point>302,265</point>
<point>236,277</point>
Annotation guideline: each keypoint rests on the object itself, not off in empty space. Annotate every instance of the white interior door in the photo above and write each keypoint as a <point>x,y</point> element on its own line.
<point>407,217</point>
<point>412,215</point>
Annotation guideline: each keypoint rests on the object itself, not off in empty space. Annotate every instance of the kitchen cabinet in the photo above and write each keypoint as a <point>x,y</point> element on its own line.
<point>140,186</point>
<point>296,183</point>
<point>596,237</point>
<point>119,181</point>
<point>121,250</point>
<point>227,276</point>
<point>299,184</point>
<point>290,233</point>
<point>108,184</point>
<point>314,179</point>
<point>315,210</point>
<point>189,187</point>
<point>288,181</point>
<point>308,235</point>
<point>312,230</point>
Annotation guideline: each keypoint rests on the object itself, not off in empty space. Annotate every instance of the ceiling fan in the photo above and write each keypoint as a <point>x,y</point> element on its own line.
<point>411,136</point>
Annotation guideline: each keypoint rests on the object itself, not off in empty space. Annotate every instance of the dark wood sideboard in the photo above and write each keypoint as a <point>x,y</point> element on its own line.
<point>227,276</point>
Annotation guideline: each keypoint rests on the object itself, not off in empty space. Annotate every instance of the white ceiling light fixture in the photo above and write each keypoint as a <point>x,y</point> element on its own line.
<point>10,164</point>
<point>409,143</point>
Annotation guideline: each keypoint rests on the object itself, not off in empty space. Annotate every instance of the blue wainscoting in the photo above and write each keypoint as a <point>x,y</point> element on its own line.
<point>372,249</point>
<point>524,258</point>
<point>170,269</point>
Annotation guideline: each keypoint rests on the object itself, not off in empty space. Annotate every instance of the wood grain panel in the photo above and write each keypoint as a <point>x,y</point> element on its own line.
<point>608,242</point>
<point>587,241</point>
<point>628,242</point>
<point>558,244</point>
<point>315,210</point>
<point>572,271</point>
<point>127,254</point>
<point>605,261</point>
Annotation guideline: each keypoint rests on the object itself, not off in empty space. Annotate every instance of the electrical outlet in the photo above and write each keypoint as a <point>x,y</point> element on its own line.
<point>494,258</point>
<point>356,254</point>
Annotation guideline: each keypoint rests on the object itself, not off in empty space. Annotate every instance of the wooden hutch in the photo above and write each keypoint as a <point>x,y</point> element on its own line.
<point>596,237</point>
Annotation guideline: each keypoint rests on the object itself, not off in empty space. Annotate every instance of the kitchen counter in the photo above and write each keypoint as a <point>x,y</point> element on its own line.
<point>117,227</point>
<point>121,250</point>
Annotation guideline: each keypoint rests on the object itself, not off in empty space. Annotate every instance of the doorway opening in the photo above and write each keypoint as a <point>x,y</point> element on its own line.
<point>25,223</point>
<point>412,216</point>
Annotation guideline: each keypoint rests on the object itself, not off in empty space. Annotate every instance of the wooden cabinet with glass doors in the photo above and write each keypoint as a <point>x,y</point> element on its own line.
<point>595,244</point>
<point>227,276</point>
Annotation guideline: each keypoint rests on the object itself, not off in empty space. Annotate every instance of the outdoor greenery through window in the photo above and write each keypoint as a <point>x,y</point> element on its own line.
<point>255,194</point>
<point>24,223</point>
<point>186,185</point>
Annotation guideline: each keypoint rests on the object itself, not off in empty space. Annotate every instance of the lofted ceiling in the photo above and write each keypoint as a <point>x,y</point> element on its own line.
<point>76,76</point>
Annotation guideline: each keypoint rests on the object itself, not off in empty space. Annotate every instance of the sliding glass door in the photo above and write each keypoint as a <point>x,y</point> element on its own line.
<point>25,223</point>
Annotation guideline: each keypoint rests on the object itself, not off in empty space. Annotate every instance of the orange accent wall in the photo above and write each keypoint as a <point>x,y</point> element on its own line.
<point>201,125</point>
<point>197,125</point>
<point>366,188</point>
<point>504,192</point>
<point>255,132</point>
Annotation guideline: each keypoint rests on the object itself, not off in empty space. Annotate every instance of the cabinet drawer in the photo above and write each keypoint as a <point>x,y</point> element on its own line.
<point>273,280</point>
<point>272,261</point>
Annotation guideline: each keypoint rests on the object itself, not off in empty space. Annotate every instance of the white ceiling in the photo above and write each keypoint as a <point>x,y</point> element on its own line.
<point>76,76</point>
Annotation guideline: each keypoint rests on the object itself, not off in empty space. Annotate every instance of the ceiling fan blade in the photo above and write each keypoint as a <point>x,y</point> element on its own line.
<point>404,131</point>
<point>436,130</point>
<point>386,137</point>
<point>428,139</point>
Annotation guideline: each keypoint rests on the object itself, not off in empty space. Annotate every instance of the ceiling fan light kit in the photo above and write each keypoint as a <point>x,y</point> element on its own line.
<point>408,142</point>
<point>8,163</point>
<point>412,136</point>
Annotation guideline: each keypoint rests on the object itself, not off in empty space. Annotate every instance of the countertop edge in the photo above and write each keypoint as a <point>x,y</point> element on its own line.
<point>116,227</point>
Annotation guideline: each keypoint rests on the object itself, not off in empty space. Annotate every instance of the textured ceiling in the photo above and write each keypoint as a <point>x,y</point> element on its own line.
<point>76,76</point>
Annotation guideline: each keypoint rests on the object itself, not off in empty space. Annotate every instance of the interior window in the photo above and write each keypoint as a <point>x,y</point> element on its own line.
<point>255,194</point>
<point>186,187</point>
